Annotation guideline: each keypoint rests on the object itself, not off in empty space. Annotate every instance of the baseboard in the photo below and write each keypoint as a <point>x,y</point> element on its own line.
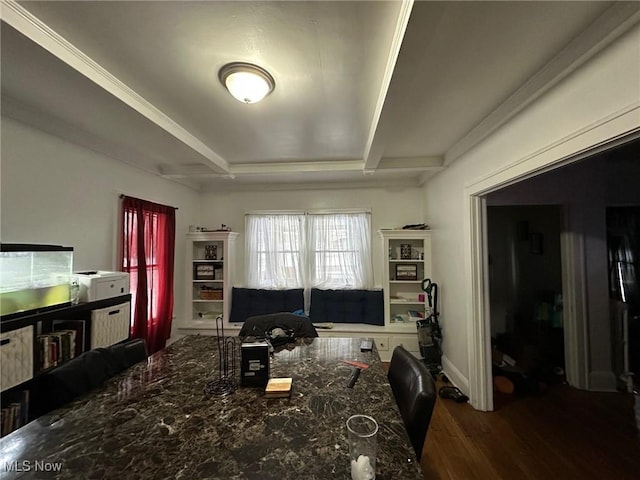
<point>455,377</point>
<point>602,381</point>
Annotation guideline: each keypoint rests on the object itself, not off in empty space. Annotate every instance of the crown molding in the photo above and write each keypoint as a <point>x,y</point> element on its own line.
<point>422,163</point>
<point>38,32</point>
<point>607,28</point>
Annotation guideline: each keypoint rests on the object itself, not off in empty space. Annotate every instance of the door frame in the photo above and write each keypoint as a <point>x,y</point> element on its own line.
<point>582,144</point>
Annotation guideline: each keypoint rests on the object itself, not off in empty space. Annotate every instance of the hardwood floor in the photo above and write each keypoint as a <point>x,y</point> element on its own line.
<point>563,433</point>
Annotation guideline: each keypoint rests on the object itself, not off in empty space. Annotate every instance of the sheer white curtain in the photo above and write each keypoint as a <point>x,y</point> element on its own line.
<point>330,250</point>
<point>275,252</point>
<point>340,251</point>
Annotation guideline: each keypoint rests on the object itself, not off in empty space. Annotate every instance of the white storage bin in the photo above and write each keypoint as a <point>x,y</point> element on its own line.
<point>110,325</point>
<point>16,357</point>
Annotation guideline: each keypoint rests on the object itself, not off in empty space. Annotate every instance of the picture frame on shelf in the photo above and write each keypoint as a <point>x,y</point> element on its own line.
<point>407,271</point>
<point>204,271</point>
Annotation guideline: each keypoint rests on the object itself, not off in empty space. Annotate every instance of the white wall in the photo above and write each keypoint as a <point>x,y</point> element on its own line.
<point>597,102</point>
<point>56,192</point>
<point>389,208</point>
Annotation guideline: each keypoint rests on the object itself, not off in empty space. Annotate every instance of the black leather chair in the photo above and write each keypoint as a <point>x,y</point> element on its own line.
<point>415,392</point>
<point>83,373</point>
<point>74,378</point>
<point>130,352</point>
<point>259,325</point>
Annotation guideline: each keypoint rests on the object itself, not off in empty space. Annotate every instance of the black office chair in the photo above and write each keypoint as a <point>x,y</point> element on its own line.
<point>415,392</point>
<point>295,325</point>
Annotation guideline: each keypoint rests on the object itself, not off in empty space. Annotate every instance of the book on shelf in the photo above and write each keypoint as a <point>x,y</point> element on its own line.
<point>415,315</point>
<point>63,339</point>
<point>278,388</point>
<point>44,357</point>
<point>76,325</point>
<point>47,352</point>
<point>56,347</point>
<point>15,412</point>
<point>69,343</point>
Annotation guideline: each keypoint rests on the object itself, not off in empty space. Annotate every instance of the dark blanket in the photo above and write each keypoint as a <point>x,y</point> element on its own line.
<point>295,325</point>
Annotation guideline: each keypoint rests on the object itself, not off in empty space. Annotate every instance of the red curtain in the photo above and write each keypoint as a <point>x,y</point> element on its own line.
<point>148,247</point>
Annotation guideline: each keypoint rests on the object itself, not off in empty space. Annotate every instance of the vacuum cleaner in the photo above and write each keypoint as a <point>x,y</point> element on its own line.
<point>429,332</point>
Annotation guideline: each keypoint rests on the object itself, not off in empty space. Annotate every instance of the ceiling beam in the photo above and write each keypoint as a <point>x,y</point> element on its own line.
<point>297,167</point>
<point>271,168</point>
<point>37,31</point>
<point>373,151</point>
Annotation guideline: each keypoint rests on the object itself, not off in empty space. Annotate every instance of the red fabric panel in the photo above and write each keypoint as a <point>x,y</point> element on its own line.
<point>148,249</point>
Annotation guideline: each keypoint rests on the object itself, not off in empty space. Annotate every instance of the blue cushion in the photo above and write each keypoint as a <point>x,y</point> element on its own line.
<point>249,302</point>
<point>347,306</point>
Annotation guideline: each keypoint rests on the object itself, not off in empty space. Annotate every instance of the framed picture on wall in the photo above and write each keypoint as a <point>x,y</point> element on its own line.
<point>407,271</point>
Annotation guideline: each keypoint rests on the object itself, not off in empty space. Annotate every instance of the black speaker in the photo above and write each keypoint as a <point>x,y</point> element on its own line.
<point>254,364</point>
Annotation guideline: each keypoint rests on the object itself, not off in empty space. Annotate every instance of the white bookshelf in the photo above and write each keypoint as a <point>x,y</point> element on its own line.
<point>208,280</point>
<point>402,277</point>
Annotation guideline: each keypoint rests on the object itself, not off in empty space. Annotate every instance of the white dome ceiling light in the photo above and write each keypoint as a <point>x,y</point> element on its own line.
<point>247,82</point>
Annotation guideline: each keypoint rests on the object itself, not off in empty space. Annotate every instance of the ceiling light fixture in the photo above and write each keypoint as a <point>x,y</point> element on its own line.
<point>247,82</point>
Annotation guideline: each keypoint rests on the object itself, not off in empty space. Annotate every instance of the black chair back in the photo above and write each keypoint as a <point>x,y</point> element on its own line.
<point>130,352</point>
<point>297,325</point>
<point>83,373</point>
<point>415,392</point>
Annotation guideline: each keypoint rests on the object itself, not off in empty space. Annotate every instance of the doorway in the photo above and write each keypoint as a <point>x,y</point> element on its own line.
<point>525,297</point>
<point>605,175</point>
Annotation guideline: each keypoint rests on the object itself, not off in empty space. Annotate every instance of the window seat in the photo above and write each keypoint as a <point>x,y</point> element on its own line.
<point>347,306</point>
<point>335,306</point>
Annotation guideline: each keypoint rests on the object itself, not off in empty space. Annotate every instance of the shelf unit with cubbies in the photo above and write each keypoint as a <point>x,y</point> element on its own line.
<point>24,357</point>
<point>209,276</point>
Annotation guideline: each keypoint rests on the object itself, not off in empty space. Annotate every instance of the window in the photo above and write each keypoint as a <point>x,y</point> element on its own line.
<point>147,249</point>
<point>304,250</point>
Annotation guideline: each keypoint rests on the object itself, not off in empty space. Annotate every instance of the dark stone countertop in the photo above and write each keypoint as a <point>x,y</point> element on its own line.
<point>154,421</point>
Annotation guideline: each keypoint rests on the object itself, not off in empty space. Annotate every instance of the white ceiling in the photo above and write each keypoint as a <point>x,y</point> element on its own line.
<point>367,92</point>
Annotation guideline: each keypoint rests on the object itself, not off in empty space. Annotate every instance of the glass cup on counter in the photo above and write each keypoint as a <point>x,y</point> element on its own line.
<point>362,431</point>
